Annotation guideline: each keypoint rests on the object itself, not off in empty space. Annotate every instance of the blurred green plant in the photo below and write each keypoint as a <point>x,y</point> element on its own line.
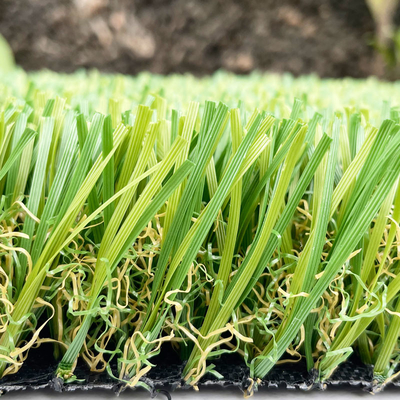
<point>387,37</point>
<point>7,62</point>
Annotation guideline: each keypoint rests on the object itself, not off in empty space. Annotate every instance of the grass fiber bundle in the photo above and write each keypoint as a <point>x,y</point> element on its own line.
<point>253,215</point>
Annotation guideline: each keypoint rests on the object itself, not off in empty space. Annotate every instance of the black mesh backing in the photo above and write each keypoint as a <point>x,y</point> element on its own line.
<point>38,374</point>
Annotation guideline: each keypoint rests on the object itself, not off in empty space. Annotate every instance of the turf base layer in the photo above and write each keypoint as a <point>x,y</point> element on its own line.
<point>38,374</point>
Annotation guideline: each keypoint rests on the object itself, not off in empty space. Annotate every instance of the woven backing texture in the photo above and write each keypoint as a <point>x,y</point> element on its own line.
<point>36,375</point>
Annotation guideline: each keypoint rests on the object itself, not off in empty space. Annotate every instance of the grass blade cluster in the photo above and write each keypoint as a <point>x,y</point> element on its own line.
<point>135,221</point>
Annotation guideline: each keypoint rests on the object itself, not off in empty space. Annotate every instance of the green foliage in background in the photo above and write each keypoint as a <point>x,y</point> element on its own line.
<point>7,62</point>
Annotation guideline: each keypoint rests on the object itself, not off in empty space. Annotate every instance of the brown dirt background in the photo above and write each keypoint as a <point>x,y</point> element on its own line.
<point>328,37</point>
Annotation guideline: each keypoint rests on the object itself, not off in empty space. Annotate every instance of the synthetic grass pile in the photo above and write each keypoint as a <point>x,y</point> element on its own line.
<point>133,219</point>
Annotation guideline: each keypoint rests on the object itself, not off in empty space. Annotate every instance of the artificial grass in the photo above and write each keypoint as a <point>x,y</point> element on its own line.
<point>256,215</point>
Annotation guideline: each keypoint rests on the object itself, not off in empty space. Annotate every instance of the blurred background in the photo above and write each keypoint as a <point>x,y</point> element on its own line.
<point>332,38</point>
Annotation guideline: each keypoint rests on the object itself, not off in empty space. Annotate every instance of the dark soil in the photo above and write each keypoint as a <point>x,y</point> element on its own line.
<point>327,37</point>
